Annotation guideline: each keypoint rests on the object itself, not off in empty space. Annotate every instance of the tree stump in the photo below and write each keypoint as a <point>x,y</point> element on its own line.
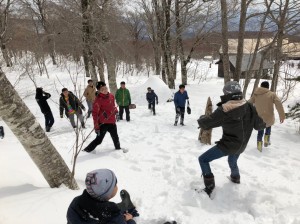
<point>205,135</point>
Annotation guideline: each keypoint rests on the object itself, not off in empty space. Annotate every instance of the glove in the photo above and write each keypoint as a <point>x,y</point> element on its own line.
<point>61,116</point>
<point>178,109</point>
<point>117,117</point>
<point>105,114</point>
<point>156,102</point>
<point>97,132</point>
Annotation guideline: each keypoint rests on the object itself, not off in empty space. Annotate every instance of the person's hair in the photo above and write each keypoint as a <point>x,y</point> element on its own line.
<point>181,86</point>
<point>265,84</point>
<point>149,88</point>
<point>90,80</point>
<point>64,89</point>
<point>100,84</point>
<point>122,83</point>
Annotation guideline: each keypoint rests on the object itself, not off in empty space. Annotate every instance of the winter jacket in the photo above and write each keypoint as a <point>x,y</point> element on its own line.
<point>90,93</point>
<point>104,110</point>
<point>180,99</point>
<point>41,98</point>
<point>86,210</point>
<point>74,102</point>
<point>151,97</point>
<point>237,119</point>
<point>263,100</point>
<point>123,97</point>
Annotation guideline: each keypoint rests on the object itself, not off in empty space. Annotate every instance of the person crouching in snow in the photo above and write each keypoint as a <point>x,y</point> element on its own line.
<point>237,118</point>
<point>93,206</point>
<point>104,116</point>
<point>151,97</point>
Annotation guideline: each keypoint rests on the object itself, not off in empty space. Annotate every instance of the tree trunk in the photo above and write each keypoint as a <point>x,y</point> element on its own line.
<point>250,72</point>
<point>166,5</point>
<point>205,135</point>
<point>100,64</point>
<point>111,72</point>
<point>87,30</point>
<point>179,43</point>
<point>23,124</point>
<point>240,48</point>
<point>5,55</point>
<point>225,56</point>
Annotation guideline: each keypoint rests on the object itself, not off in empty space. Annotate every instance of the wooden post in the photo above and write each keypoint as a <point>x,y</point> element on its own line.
<point>205,135</point>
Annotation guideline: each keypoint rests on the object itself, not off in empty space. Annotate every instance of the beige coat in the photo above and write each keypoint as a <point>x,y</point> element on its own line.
<point>90,93</point>
<point>263,100</point>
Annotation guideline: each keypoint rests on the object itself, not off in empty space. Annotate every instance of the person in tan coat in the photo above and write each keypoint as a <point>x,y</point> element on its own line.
<point>90,94</point>
<point>264,101</point>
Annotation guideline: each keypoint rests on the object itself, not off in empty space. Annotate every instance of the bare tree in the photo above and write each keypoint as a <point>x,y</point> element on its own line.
<point>87,32</point>
<point>241,35</point>
<point>4,15</point>
<point>286,18</point>
<point>40,13</point>
<point>23,124</point>
<point>225,55</point>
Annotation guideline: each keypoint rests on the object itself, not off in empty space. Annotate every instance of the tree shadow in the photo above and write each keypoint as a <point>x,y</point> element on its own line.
<point>15,190</point>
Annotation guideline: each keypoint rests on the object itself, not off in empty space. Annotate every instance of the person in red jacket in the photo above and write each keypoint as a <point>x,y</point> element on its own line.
<point>104,116</point>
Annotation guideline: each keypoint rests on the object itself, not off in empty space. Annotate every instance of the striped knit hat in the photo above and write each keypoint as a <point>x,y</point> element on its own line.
<point>100,183</point>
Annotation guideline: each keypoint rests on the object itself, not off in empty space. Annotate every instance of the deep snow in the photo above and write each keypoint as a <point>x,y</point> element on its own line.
<point>161,169</point>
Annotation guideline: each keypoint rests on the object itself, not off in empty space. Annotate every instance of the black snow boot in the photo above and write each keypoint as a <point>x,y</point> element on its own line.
<point>209,182</point>
<point>235,179</point>
<point>48,128</point>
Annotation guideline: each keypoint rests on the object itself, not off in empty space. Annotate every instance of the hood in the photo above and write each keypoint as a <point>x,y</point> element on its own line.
<point>233,104</point>
<point>261,91</point>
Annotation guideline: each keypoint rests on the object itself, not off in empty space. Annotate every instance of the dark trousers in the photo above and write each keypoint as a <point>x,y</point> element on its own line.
<point>181,114</point>
<point>49,119</point>
<point>216,153</point>
<point>152,106</point>
<point>121,111</point>
<point>112,129</point>
<point>260,133</point>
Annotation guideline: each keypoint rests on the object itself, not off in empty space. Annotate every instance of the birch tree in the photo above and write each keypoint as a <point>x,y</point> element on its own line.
<point>25,127</point>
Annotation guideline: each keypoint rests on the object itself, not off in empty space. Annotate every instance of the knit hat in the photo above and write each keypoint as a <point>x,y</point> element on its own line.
<point>100,84</point>
<point>232,87</point>
<point>100,183</point>
<point>265,84</point>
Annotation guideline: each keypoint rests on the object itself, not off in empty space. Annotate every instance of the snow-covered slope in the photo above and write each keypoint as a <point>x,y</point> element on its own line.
<point>161,169</point>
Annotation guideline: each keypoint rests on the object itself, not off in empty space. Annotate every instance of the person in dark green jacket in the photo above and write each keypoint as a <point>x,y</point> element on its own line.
<point>123,100</point>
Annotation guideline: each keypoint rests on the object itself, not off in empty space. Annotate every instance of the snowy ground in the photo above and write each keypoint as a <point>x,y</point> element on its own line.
<point>161,169</point>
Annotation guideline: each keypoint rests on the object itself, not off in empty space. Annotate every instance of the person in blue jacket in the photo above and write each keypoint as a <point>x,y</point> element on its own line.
<point>93,206</point>
<point>151,97</point>
<point>180,99</point>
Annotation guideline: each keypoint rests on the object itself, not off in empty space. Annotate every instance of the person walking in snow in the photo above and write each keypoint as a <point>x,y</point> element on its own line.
<point>237,118</point>
<point>41,98</point>
<point>180,99</point>
<point>264,100</point>
<point>72,105</point>
<point>93,205</point>
<point>151,98</point>
<point>104,116</point>
<point>90,94</point>
<point>123,100</point>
